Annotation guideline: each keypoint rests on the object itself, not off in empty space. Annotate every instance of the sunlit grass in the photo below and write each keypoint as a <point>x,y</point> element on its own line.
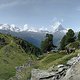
<point>55,59</point>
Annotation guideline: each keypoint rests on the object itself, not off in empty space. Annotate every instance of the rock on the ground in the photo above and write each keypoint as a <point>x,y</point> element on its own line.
<point>73,73</point>
<point>72,61</point>
<point>37,74</point>
<point>70,71</point>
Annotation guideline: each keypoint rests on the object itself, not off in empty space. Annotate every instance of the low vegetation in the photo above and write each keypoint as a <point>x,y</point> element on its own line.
<point>55,59</point>
<point>14,52</point>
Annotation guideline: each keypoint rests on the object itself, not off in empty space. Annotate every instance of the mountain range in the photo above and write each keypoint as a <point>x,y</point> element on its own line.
<point>33,35</point>
<point>18,57</point>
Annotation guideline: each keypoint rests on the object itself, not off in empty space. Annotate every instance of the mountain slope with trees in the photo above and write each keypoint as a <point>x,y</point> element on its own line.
<point>14,52</point>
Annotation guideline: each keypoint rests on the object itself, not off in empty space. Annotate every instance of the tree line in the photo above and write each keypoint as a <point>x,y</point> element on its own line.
<point>69,37</point>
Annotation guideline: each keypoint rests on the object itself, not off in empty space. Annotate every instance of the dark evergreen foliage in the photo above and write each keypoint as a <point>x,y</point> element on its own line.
<point>47,44</point>
<point>63,43</point>
<point>28,47</point>
<point>68,38</point>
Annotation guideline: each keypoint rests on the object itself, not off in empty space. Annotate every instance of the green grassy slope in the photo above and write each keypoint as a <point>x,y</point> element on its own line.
<point>13,52</point>
<point>10,57</point>
<point>46,62</point>
<point>16,52</point>
<point>54,59</point>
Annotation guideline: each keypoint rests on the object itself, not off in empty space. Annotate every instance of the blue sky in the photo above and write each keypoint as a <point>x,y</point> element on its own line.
<point>41,12</point>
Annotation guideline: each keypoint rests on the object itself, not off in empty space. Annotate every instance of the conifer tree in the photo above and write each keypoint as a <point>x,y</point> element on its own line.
<point>47,44</point>
<point>63,43</point>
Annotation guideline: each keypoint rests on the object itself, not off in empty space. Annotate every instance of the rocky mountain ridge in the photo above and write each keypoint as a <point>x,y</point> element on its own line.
<point>56,27</point>
<point>33,35</point>
<point>61,72</point>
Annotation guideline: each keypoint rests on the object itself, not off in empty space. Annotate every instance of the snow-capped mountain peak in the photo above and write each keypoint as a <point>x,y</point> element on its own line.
<point>14,28</point>
<point>25,28</point>
<point>4,26</point>
<point>57,27</point>
<point>11,27</point>
<point>60,28</point>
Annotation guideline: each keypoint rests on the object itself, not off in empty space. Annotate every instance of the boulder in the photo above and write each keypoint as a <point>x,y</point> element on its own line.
<point>37,74</point>
<point>72,61</point>
<point>73,73</point>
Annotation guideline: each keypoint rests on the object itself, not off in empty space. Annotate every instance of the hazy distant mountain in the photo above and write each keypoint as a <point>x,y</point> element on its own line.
<point>33,35</point>
<point>60,28</point>
<point>9,27</point>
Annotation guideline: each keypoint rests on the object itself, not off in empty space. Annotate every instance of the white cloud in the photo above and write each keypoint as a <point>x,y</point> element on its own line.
<point>25,27</point>
<point>33,29</point>
<point>68,28</point>
<point>55,19</point>
<point>43,29</point>
<point>56,22</point>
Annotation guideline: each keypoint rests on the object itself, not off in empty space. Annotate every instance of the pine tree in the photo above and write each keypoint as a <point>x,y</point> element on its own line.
<point>63,43</point>
<point>47,44</point>
<point>70,36</point>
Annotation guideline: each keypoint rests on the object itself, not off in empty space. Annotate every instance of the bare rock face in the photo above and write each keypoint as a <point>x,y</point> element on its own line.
<point>73,73</point>
<point>72,61</point>
<point>38,74</point>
